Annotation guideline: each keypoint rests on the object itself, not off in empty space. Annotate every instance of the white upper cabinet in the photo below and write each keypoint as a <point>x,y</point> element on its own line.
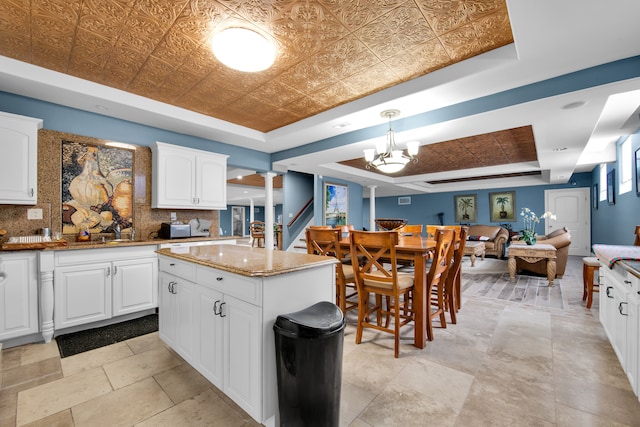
<point>184,178</point>
<point>19,153</point>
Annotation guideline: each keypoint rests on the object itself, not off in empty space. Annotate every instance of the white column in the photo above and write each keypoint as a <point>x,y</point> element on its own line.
<point>46,295</point>
<point>251,219</point>
<point>372,207</point>
<point>268,210</point>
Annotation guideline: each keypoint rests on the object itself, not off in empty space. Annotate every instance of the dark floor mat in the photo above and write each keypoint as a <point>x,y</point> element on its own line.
<point>78,342</point>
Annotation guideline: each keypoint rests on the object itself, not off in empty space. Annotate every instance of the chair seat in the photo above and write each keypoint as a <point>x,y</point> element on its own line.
<point>349,274</point>
<point>405,281</point>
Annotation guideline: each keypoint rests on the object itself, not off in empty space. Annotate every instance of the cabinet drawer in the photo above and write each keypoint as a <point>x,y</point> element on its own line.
<point>630,282</point>
<point>244,288</point>
<point>186,270</point>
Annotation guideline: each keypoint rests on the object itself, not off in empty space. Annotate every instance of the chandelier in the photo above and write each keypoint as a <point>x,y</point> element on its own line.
<point>387,157</point>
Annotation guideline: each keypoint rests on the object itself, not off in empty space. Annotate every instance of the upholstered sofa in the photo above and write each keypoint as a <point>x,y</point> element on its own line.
<point>494,237</point>
<point>561,239</point>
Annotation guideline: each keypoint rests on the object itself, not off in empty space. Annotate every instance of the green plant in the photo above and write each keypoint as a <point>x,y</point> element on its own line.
<point>464,204</point>
<point>502,201</point>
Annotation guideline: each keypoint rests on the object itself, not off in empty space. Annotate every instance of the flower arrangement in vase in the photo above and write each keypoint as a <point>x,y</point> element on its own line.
<point>530,220</point>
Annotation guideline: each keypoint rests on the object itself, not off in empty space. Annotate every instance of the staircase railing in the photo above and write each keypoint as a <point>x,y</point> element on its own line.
<point>300,212</point>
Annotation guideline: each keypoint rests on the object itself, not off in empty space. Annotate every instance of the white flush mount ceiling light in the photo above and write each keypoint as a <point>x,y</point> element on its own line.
<point>243,49</point>
<point>387,157</point>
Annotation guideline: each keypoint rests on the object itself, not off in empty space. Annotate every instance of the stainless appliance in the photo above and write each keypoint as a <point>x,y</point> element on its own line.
<point>199,227</point>
<point>175,230</point>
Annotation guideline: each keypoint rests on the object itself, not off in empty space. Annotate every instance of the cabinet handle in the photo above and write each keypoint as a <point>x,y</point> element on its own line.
<point>108,271</point>
<point>31,192</point>
<point>115,270</point>
<point>607,292</point>
<point>172,287</point>
<point>219,278</point>
<point>620,309</point>
<point>628,282</point>
<point>172,265</point>
<point>221,314</point>
<point>217,310</point>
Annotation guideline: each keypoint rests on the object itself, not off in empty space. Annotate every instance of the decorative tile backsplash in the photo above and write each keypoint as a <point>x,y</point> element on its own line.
<point>146,220</point>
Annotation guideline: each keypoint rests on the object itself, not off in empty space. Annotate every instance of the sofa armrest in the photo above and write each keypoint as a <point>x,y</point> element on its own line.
<point>560,241</point>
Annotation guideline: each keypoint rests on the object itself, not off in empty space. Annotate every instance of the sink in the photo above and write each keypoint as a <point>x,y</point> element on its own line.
<point>116,241</point>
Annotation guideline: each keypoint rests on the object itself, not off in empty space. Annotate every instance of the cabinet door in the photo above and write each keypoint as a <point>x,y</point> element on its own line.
<point>19,148</point>
<point>168,310</point>
<point>82,294</point>
<point>211,181</point>
<point>211,337</point>
<point>243,354</point>
<point>174,178</point>
<point>188,308</point>
<point>18,295</point>
<point>607,309</point>
<point>135,285</point>
<point>620,323</point>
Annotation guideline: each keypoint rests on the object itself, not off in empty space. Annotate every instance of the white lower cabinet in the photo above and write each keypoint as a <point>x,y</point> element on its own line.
<point>98,284</point>
<point>18,295</point>
<point>620,317</point>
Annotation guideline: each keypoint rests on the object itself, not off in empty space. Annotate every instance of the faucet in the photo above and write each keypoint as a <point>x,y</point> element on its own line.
<point>115,227</point>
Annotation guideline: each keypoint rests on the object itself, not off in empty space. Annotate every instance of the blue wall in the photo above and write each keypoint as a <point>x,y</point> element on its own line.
<point>71,120</point>
<point>424,208</point>
<point>615,224</point>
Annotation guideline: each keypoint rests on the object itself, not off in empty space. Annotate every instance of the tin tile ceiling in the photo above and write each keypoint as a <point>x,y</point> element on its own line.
<point>330,52</point>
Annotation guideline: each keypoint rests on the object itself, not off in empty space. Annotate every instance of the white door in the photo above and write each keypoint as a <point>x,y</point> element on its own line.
<point>572,209</point>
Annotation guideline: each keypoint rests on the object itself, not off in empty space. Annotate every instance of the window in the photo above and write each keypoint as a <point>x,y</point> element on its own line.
<point>603,182</point>
<point>626,166</point>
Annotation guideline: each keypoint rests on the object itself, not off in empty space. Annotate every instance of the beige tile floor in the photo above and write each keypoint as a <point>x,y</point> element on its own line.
<point>503,364</point>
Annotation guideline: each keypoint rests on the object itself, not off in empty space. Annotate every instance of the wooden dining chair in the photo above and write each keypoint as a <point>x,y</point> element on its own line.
<point>256,229</point>
<point>452,283</point>
<point>326,242</point>
<point>373,278</point>
<point>436,278</point>
<point>432,229</point>
<point>411,230</point>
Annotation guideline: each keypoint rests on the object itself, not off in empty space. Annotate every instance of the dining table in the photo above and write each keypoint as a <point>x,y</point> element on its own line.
<point>418,250</point>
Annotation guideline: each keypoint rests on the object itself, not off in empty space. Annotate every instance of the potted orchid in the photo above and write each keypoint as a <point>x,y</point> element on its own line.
<point>530,220</point>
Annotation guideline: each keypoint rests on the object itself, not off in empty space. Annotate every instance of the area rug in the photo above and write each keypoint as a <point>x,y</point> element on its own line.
<point>525,289</point>
<point>78,342</point>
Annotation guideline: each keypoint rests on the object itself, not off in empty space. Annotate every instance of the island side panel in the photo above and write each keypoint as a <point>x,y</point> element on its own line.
<point>283,294</point>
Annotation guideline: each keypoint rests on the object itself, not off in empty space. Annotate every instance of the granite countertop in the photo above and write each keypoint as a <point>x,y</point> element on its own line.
<point>632,266</point>
<point>97,244</point>
<point>247,261</point>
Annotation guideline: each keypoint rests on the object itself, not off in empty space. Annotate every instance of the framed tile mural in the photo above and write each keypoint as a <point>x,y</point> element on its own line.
<point>502,206</point>
<point>336,203</point>
<point>97,187</point>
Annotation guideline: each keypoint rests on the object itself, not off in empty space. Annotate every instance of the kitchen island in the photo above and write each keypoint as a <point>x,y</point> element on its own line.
<point>217,308</point>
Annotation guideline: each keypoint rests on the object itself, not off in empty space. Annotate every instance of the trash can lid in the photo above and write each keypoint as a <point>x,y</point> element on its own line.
<point>322,318</point>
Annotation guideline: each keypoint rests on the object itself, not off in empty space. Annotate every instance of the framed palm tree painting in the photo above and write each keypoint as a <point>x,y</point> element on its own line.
<point>502,206</point>
<point>465,208</point>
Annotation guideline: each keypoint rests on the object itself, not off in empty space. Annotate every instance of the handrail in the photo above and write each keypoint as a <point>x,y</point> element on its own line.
<point>300,212</point>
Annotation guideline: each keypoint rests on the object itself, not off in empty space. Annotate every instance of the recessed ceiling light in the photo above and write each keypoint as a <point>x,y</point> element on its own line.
<point>342,125</point>
<point>101,107</point>
<point>573,105</point>
<point>243,49</point>
<point>560,149</point>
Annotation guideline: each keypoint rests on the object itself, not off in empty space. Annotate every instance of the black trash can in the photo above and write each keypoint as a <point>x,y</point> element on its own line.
<point>309,365</point>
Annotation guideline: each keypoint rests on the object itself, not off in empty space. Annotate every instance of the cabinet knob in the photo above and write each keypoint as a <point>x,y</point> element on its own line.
<point>219,278</point>
<point>172,265</point>
<point>628,282</point>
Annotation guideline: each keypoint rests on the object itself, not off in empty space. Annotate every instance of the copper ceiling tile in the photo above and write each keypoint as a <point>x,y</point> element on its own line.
<point>66,10</point>
<point>354,14</point>
<point>144,46</point>
<point>384,39</point>
<point>490,149</point>
<point>14,18</point>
